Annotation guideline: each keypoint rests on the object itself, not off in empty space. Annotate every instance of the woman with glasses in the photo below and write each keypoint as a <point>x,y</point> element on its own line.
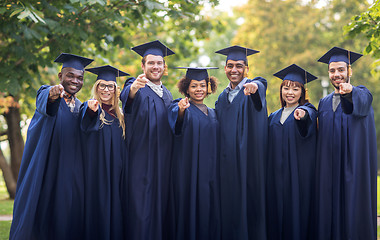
<point>291,158</point>
<point>194,165</point>
<point>103,128</point>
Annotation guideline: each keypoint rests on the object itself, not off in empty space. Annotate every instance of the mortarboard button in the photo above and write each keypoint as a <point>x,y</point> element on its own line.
<point>74,61</point>
<point>237,53</point>
<point>107,73</point>
<point>154,48</point>
<point>296,74</point>
<point>337,54</point>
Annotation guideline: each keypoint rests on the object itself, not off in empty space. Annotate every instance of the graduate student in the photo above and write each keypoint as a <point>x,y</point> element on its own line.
<point>195,167</point>
<point>104,151</point>
<point>242,114</point>
<point>346,160</point>
<point>292,144</point>
<point>49,199</point>
<point>145,103</point>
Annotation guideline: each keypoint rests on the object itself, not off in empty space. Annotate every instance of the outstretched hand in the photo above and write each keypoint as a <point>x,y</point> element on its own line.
<point>93,104</point>
<point>299,113</point>
<point>345,88</point>
<point>250,88</point>
<point>183,104</point>
<point>55,92</point>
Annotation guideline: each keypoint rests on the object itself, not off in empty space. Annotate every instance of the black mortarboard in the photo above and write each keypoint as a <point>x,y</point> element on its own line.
<point>296,74</point>
<point>74,61</point>
<point>107,73</point>
<point>237,53</point>
<point>196,73</point>
<point>154,48</point>
<point>337,54</point>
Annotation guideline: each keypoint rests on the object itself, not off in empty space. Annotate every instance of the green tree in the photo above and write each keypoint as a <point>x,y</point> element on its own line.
<point>33,33</point>
<point>366,26</point>
<point>293,31</point>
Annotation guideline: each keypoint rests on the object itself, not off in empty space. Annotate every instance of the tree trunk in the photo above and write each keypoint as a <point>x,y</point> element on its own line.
<point>16,142</point>
<point>10,181</point>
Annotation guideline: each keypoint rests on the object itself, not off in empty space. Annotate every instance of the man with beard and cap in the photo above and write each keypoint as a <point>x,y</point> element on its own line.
<point>346,155</point>
<point>49,197</point>
<point>149,140</point>
<point>242,114</point>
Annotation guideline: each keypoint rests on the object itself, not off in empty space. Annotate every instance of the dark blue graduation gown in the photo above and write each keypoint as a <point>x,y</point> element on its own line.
<point>195,173</point>
<point>146,183</point>
<point>347,168</point>
<point>104,151</point>
<point>49,196</point>
<point>290,174</point>
<point>243,135</point>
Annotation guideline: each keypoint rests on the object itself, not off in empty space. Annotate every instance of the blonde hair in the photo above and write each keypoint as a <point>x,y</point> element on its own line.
<point>115,106</point>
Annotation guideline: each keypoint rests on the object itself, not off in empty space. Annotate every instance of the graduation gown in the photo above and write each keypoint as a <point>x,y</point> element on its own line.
<point>49,195</point>
<point>347,168</point>
<point>290,174</point>
<point>243,135</point>
<point>104,151</point>
<point>195,173</point>
<point>149,142</point>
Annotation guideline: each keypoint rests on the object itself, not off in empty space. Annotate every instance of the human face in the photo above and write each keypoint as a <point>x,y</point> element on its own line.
<point>71,79</point>
<point>338,73</point>
<point>105,93</point>
<point>235,71</point>
<point>197,91</point>
<point>291,95</point>
<point>153,68</point>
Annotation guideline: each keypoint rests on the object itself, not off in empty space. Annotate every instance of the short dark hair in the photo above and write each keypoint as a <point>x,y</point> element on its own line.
<point>302,99</point>
<point>184,83</point>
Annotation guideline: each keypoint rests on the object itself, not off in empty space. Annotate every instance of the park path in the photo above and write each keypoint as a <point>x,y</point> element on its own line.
<point>5,217</point>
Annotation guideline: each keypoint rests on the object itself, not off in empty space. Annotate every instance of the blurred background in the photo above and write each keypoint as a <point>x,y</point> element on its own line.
<point>34,33</point>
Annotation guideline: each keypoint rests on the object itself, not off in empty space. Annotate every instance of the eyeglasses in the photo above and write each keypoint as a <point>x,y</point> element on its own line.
<point>103,86</point>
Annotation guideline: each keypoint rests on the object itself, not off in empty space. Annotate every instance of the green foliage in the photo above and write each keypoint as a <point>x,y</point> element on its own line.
<point>294,31</point>
<point>367,24</point>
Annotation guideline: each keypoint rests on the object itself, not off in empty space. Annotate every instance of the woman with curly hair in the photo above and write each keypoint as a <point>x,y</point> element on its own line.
<point>195,154</point>
<point>291,158</point>
<point>104,151</point>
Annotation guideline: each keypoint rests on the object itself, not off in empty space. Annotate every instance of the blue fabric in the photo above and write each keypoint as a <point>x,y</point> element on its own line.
<point>146,182</point>
<point>104,151</point>
<point>195,173</point>
<point>347,168</point>
<point>49,196</point>
<point>244,132</point>
<point>290,175</point>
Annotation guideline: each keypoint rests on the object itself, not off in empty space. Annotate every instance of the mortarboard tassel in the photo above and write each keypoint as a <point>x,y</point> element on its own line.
<point>306,91</point>
<point>209,90</point>
<point>166,70</point>
<point>245,71</point>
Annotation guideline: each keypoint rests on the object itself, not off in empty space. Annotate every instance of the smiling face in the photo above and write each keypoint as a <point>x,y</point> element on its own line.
<point>291,94</point>
<point>106,91</point>
<point>71,79</point>
<point>197,91</point>
<point>153,67</point>
<point>338,73</point>
<point>235,71</point>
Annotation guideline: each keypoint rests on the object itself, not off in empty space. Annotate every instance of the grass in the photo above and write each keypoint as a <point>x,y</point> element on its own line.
<point>6,208</point>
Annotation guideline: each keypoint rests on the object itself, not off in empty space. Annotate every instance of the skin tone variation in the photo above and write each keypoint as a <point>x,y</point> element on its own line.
<point>153,70</point>
<point>235,73</point>
<point>71,81</point>
<point>106,92</point>
<point>338,74</point>
<point>197,91</point>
